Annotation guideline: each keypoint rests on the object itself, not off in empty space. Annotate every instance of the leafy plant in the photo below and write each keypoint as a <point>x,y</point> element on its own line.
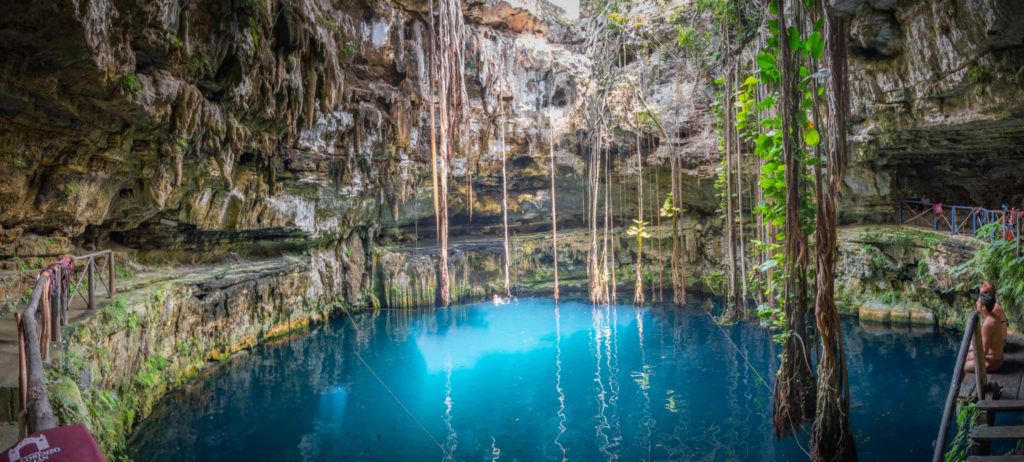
<point>199,64</point>
<point>998,262</point>
<point>131,83</point>
<point>639,229</point>
<point>668,208</point>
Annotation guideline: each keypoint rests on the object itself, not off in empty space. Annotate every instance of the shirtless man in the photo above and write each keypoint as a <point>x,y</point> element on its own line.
<point>993,330</point>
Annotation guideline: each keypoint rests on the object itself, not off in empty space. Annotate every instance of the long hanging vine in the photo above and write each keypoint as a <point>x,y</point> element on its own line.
<point>554,208</point>
<point>504,198</point>
<point>832,438</point>
<point>447,71</point>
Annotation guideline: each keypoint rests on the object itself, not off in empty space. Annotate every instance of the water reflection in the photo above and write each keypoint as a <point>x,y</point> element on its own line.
<point>533,381</point>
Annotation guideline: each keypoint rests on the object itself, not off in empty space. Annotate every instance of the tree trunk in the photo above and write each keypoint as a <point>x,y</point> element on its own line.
<point>832,438</point>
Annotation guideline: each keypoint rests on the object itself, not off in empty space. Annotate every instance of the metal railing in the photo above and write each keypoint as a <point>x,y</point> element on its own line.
<point>959,219</point>
<point>972,333</point>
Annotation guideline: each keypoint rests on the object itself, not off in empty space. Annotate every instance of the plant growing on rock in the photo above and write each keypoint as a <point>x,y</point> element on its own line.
<point>130,83</point>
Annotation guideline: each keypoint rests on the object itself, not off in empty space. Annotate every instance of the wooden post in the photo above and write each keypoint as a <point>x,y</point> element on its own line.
<point>980,374</point>
<point>22,380</point>
<point>900,207</point>
<point>57,297</point>
<point>40,412</point>
<point>89,268</point>
<point>110,273</point>
<point>45,321</point>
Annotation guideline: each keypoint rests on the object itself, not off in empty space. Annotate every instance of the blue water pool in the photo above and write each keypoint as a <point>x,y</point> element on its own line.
<point>536,381</point>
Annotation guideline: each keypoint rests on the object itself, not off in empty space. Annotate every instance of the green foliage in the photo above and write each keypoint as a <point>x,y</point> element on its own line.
<point>685,37</point>
<point>978,74</point>
<point>151,373</point>
<point>186,348</point>
<point>19,162</point>
<point>668,208</point>
<point>647,121</point>
<point>131,83</point>
<point>759,122</point>
<point>199,64</point>
<point>349,51</point>
<point>617,21</point>
<point>714,282</point>
<point>254,31</point>
<point>960,446</point>
<point>120,315</point>
<point>999,263</point>
<point>639,229</point>
<point>122,270</point>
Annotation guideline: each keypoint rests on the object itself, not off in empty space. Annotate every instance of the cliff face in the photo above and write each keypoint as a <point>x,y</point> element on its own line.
<point>938,103</point>
<point>284,117</point>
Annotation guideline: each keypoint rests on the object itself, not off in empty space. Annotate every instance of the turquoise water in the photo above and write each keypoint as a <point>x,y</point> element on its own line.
<point>535,381</point>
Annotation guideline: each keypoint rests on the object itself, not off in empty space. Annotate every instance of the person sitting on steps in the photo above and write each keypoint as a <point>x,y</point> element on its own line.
<point>993,330</point>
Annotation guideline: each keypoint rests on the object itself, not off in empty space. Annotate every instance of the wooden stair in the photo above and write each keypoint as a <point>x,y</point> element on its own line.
<point>987,431</point>
<point>1001,405</point>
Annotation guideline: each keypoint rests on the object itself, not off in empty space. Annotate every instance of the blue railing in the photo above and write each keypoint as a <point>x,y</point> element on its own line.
<point>959,219</point>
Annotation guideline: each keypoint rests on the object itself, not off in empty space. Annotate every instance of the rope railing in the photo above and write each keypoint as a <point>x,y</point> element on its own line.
<point>972,334</point>
<point>959,219</point>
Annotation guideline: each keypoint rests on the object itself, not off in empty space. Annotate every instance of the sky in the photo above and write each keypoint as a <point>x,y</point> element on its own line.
<point>571,7</point>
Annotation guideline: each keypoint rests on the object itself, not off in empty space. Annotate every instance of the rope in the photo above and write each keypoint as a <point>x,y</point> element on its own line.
<point>392,393</point>
<point>758,374</point>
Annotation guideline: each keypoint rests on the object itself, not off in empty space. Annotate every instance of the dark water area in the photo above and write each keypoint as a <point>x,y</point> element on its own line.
<point>534,381</point>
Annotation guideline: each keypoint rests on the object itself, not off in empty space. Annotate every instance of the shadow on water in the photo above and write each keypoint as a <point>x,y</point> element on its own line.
<point>535,381</point>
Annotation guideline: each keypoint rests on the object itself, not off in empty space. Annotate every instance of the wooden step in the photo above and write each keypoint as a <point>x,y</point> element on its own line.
<point>995,459</point>
<point>1001,405</point>
<point>997,432</point>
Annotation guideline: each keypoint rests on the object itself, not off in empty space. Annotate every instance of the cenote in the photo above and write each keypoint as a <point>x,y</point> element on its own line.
<point>537,380</point>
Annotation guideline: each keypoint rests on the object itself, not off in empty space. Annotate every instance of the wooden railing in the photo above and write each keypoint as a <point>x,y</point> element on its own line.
<point>56,287</point>
<point>972,333</point>
<point>33,341</point>
<point>90,276</point>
